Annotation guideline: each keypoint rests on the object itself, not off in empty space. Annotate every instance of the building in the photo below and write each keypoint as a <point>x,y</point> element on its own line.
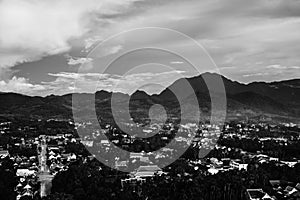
<point>121,164</point>
<point>258,194</point>
<point>4,154</point>
<point>291,191</point>
<point>147,171</point>
<point>289,163</point>
<point>236,164</point>
<point>132,181</point>
<point>136,155</point>
<point>25,172</point>
<point>88,143</point>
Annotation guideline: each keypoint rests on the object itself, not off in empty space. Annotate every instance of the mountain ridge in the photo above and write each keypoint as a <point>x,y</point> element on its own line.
<point>277,98</point>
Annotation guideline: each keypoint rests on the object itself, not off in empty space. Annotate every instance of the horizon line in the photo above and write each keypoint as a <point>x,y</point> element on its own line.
<point>223,76</point>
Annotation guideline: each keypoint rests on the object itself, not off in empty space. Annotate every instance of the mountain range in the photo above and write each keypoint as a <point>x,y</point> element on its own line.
<point>267,101</point>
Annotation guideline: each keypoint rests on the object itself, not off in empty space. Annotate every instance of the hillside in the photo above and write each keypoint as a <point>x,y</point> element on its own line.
<point>277,99</point>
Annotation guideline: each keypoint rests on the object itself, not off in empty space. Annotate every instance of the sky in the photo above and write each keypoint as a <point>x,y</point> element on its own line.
<point>61,46</point>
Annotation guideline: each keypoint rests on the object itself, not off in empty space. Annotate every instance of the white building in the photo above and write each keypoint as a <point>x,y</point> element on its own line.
<point>238,165</point>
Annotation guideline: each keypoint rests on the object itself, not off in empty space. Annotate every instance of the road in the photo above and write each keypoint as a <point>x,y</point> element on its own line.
<point>45,178</point>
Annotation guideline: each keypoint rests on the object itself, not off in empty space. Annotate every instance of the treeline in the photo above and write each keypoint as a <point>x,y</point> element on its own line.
<point>285,151</point>
<point>8,180</point>
<point>92,180</point>
<point>28,127</point>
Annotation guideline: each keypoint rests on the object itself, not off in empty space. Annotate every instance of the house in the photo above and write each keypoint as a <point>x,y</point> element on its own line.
<point>298,186</point>
<point>290,190</point>
<point>275,183</point>
<point>105,142</point>
<point>258,194</point>
<point>289,163</point>
<point>88,143</point>
<point>147,171</point>
<point>4,154</point>
<point>136,155</point>
<point>121,164</point>
<point>238,165</point>
<point>132,181</point>
<point>213,171</point>
<point>226,161</point>
<point>145,159</point>
<point>274,159</point>
<point>28,193</point>
<point>262,156</point>
<point>72,157</point>
<point>25,172</point>
<point>54,149</point>
<point>27,187</point>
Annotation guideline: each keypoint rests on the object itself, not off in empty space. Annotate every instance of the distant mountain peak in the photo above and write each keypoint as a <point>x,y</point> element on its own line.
<point>279,98</point>
<point>139,94</point>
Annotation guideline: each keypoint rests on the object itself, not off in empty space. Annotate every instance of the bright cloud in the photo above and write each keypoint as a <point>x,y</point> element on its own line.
<point>33,29</point>
<point>21,85</point>
<point>66,82</point>
<point>282,67</point>
<point>176,62</point>
<point>255,74</point>
<point>78,61</point>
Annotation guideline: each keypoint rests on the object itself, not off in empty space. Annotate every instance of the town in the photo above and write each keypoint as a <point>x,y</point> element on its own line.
<point>49,159</point>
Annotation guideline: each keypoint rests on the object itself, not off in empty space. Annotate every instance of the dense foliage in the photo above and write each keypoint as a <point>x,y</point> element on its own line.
<point>8,180</point>
<point>91,181</point>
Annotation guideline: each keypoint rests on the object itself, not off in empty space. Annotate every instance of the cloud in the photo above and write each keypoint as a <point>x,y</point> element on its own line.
<point>256,74</point>
<point>249,35</point>
<point>21,85</point>
<point>75,76</point>
<point>227,68</point>
<point>67,82</point>
<point>176,62</point>
<point>33,29</point>
<point>90,42</point>
<point>282,67</point>
<point>110,50</point>
<point>78,61</point>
